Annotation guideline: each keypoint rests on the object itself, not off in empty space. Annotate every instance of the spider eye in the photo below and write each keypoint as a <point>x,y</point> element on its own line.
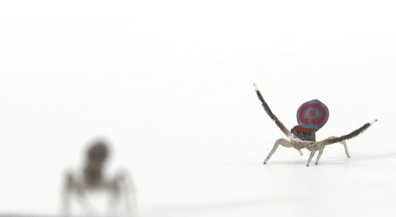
<point>295,132</point>
<point>309,134</point>
<point>304,133</point>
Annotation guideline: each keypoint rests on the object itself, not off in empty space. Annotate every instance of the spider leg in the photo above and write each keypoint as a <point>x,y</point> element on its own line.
<point>85,205</point>
<point>278,142</point>
<point>319,155</point>
<point>112,187</point>
<point>300,151</point>
<point>69,186</point>
<point>348,136</point>
<point>310,157</point>
<point>345,146</point>
<point>272,116</point>
<point>74,185</point>
<point>128,191</point>
<point>119,188</point>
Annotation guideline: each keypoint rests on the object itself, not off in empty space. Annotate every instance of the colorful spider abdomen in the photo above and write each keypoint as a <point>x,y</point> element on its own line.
<point>312,114</point>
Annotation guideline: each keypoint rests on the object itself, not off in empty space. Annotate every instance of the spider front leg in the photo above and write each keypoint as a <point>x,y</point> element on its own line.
<point>278,142</point>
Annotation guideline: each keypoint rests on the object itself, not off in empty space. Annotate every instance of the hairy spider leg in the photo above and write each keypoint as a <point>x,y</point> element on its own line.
<point>278,123</point>
<point>320,145</point>
<point>350,135</point>
<point>272,116</point>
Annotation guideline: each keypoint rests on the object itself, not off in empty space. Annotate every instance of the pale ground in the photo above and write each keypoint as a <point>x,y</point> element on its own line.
<point>171,88</point>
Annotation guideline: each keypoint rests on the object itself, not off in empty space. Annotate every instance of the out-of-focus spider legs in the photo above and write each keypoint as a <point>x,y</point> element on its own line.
<point>74,186</point>
<point>278,142</point>
<point>121,184</point>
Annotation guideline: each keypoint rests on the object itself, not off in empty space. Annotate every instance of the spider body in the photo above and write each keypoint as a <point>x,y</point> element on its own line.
<point>93,170</point>
<point>303,135</point>
<point>92,179</point>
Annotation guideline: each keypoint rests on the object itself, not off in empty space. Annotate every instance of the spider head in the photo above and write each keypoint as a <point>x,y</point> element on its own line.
<point>98,151</point>
<point>303,133</point>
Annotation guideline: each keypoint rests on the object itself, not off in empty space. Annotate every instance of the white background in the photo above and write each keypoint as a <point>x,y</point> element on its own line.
<point>169,85</point>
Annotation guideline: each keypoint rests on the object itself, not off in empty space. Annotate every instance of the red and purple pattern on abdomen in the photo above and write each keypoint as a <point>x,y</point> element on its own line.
<point>312,114</point>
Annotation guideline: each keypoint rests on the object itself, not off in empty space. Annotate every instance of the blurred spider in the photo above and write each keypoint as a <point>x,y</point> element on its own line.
<point>93,180</point>
<point>311,116</point>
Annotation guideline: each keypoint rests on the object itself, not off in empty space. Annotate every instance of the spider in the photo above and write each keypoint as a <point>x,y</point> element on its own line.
<point>93,180</point>
<point>311,116</point>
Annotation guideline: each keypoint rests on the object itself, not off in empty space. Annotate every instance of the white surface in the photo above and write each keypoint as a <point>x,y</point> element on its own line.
<point>169,84</point>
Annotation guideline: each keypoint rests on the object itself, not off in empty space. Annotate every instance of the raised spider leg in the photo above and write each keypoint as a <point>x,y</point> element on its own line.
<point>278,123</point>
<point>272,116</point>
<point>310,157</point>
<point>348,136</point>
<point>278,142</point>
<point>341,140</point>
